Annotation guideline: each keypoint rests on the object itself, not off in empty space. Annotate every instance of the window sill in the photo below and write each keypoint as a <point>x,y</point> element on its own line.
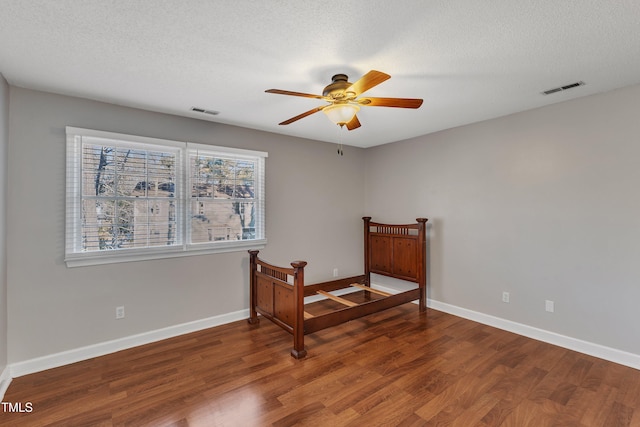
<point>132,255</point>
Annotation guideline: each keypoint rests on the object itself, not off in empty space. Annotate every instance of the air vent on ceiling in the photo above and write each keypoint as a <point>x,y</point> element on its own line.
<point>202,110</point>
<point>561,88</point>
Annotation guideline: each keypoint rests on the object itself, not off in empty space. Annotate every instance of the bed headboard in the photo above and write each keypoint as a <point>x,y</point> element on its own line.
<point>395,250</point>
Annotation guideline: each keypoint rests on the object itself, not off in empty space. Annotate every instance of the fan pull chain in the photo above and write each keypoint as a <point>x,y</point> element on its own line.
<point>340,150</point>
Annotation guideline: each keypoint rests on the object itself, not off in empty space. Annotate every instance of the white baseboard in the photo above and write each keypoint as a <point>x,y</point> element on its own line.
<point>5,380</point>
<point>76,355</point>
<point>585,347</point>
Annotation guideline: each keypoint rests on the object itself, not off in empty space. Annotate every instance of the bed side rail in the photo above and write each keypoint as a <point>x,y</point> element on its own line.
<point>337,317</point>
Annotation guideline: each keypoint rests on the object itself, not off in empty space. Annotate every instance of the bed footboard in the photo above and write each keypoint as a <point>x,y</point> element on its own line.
<point>277,293</point>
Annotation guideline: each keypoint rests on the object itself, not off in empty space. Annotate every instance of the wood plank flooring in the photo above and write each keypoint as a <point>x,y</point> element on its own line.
<point>392,368</point>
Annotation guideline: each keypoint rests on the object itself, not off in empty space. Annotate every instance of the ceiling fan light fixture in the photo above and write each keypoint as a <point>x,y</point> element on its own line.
<point>341,114</point>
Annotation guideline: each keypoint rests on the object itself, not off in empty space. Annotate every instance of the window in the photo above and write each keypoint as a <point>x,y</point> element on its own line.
<point>131,198</point>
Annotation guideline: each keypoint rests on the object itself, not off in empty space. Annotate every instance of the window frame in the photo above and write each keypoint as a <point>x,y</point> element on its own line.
<point>76,257</point>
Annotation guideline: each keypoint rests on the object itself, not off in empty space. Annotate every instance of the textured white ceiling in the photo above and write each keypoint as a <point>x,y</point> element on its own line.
<point>470,60</point>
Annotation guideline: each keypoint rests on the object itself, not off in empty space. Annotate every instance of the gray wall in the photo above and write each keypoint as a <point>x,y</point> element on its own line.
<point>314,200</point>
<point>4,142</point>
<point>543,204</point>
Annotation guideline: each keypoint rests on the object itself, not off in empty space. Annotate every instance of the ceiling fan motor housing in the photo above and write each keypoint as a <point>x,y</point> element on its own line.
<point>337,90</point>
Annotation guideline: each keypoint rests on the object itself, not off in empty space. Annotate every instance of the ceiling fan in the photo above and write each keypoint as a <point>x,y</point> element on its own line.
<point>343,102</point>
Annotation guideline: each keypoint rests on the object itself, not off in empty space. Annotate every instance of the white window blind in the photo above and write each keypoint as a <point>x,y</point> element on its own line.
<point>131,198</point>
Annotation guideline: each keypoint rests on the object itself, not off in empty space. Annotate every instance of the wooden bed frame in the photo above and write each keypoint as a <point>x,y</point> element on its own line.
<point>277,293</point>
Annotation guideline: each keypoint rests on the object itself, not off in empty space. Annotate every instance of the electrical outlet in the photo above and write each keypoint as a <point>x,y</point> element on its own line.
<point>335,272</point>
<point>120,312</point>
<point>549,306</point>
<point>505,297</point>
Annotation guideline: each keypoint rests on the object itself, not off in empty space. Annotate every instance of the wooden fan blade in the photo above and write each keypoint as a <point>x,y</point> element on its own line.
<point>353,123</point>
<point>288,92</point>
<point>366,82</point>
<point>303,115</point>
<point>391,102</point>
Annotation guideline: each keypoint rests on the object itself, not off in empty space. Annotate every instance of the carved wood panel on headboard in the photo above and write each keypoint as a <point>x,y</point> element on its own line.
<point>394,256</point>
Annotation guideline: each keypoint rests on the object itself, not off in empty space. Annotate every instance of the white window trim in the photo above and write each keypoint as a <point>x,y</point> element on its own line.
<point>81,259</point>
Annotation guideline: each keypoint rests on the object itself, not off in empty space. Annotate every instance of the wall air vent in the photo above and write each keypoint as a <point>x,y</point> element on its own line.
<point>204,111</point>
<point>561,88</point>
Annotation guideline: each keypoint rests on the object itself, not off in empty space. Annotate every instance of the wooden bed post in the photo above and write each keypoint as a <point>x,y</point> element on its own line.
<point>253,315</point>
<point>298,350</point>
<point>422,260</point>
<point>367,266</point>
